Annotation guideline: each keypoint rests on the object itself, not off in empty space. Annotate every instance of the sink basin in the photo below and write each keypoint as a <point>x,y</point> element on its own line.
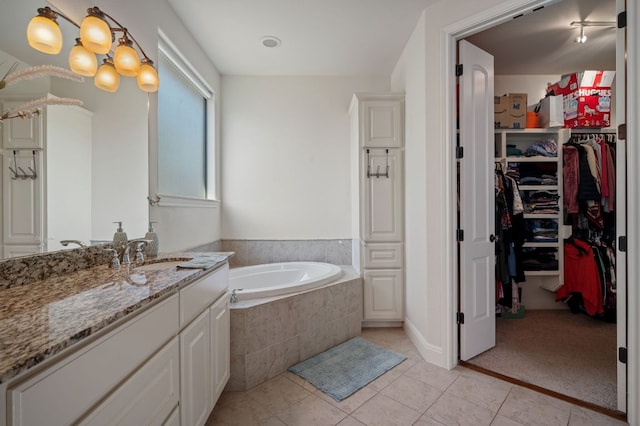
<point>160,265</point>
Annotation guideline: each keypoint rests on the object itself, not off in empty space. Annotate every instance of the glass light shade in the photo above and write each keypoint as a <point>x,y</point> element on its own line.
<point>148,80</point>
<point>82,61</point>
<point>44,35</point>
<point>96,35</point>
<point>107,78</point>
<point>126,60</point>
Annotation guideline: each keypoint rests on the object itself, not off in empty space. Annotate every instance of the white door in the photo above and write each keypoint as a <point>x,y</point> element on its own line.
<point>621,209</point>
<point>477,206</point>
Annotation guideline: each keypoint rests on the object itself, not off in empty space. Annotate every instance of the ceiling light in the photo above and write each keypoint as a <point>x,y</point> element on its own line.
<point>270,41</point>
<point>582,38</point>
<point>96,37</point>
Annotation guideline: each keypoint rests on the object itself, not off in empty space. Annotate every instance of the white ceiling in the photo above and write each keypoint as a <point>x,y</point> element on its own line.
<point>353,37</point>
<point>542,42</point>
<point>366,37</point>
<point>319,37</point>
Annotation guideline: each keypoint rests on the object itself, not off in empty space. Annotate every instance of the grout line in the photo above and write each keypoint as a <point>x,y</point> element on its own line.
<point>575,401</point>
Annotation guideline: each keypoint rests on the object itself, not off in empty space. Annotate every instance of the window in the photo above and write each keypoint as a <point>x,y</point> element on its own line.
<point>185,103</point>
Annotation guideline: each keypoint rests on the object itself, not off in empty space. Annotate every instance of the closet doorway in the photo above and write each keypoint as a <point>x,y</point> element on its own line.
<point>545,344</point>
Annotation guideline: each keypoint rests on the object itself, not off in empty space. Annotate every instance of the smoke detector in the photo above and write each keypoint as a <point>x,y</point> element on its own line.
<point>270,41</point>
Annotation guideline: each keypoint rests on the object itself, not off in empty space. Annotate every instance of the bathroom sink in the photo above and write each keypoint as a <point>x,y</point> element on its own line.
<point>160,265</point>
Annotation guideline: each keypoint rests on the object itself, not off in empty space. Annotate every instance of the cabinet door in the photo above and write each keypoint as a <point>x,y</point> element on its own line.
<point>383,199</point>
<point>195,371</point>
<point>22,198</point>
<point>21,132</point>
<point>381,123</point>
<point>383,294</point>
<point>220,346</point>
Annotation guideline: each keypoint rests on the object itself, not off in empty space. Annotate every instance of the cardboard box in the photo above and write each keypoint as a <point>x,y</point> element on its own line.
<point>586,98</point>
<point>510,111</point>
<point>551,112</point>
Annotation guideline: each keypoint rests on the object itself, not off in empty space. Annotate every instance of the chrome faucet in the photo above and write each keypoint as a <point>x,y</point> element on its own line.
<point>139,256</point>
<point>67,242</point>
<point>115,262</point>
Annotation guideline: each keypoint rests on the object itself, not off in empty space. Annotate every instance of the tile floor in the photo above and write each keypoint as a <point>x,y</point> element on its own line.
<point>413,393</point>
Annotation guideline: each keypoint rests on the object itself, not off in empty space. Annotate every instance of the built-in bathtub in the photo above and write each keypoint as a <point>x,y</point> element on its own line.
<point>287,312</point>
<point>279,279</point>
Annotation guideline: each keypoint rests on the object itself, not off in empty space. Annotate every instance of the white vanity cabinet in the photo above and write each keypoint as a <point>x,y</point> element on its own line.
<point>167,365</point>
<point>204,347</point>
<point>377,154</point>
<point>67,390</point>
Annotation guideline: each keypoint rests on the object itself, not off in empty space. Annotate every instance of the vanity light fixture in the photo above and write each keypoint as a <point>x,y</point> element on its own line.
<point>97,37</point>
<point>582,38</point>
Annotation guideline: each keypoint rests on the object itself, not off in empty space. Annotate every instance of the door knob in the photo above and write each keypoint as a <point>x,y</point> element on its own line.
<point>493,238</point>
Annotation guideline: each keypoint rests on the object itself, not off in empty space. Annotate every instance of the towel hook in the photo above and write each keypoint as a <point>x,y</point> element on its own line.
<point>377,174</point>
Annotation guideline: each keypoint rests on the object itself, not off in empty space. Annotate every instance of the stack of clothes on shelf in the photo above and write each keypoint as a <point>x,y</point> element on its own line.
<point>541,202</point>
<point>540,258</point>
<point>541,230</point>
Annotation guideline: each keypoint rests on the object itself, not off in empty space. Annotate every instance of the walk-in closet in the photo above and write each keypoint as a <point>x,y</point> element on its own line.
<point>557,211</point>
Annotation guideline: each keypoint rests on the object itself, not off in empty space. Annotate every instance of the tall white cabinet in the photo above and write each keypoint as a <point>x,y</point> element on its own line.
<point>49,199</point>
<point>377,153</point>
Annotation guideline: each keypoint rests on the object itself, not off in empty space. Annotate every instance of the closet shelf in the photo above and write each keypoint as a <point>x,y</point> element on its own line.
<point>541,216</point>
<point>538,187</point>
<point>536,159</point>
<point>534,244</point>
<point>541,273</point>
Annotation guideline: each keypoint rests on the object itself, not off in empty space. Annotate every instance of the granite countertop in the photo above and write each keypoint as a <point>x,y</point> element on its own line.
<point>40,319</point>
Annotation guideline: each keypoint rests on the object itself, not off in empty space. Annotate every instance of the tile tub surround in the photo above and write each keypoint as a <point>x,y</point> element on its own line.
<point>258,252</point>
<point>268,338</point>
<point>41,319</point>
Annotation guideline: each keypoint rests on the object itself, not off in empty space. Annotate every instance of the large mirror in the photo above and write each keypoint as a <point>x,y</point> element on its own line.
<point>91,171</point>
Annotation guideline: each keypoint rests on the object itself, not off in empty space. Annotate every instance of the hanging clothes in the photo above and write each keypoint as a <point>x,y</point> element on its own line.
<point>581,276</point>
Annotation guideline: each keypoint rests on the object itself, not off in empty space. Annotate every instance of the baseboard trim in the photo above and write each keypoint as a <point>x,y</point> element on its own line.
<point>619,415</point>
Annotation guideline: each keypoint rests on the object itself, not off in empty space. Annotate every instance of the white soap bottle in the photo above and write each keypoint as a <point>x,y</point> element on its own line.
<point>154,245</point>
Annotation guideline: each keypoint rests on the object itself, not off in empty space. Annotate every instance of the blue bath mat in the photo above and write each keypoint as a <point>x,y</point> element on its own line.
<point>343,369</point>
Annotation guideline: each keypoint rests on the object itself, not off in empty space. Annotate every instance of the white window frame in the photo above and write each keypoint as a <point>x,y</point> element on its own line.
<point>169,50</point>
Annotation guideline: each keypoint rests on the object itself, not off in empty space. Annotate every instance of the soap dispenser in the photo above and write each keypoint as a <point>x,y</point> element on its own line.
<point>120,237</point>
<point>152,247</point>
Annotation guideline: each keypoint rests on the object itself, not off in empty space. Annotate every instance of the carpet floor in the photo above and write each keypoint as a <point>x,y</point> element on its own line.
<point>572,354</point>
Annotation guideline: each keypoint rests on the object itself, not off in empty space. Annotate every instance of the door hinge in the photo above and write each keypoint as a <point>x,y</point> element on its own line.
<point>622,243</point>
<point>459,317</point>
<point>622,131</point>
<point>459,234</point>
<point>458,70</point>
<point>622,19</point>
<point>459,152</point>
<point>622,355</point>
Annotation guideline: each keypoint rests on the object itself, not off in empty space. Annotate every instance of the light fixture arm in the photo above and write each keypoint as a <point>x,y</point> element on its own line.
<point>97,12</point>
<point>53,14</point>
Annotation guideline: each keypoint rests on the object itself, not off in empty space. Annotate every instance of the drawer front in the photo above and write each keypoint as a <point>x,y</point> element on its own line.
<point>383,256</point>
<point>67,390</point>
<point>197,297</point>
<point>146,398</point>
